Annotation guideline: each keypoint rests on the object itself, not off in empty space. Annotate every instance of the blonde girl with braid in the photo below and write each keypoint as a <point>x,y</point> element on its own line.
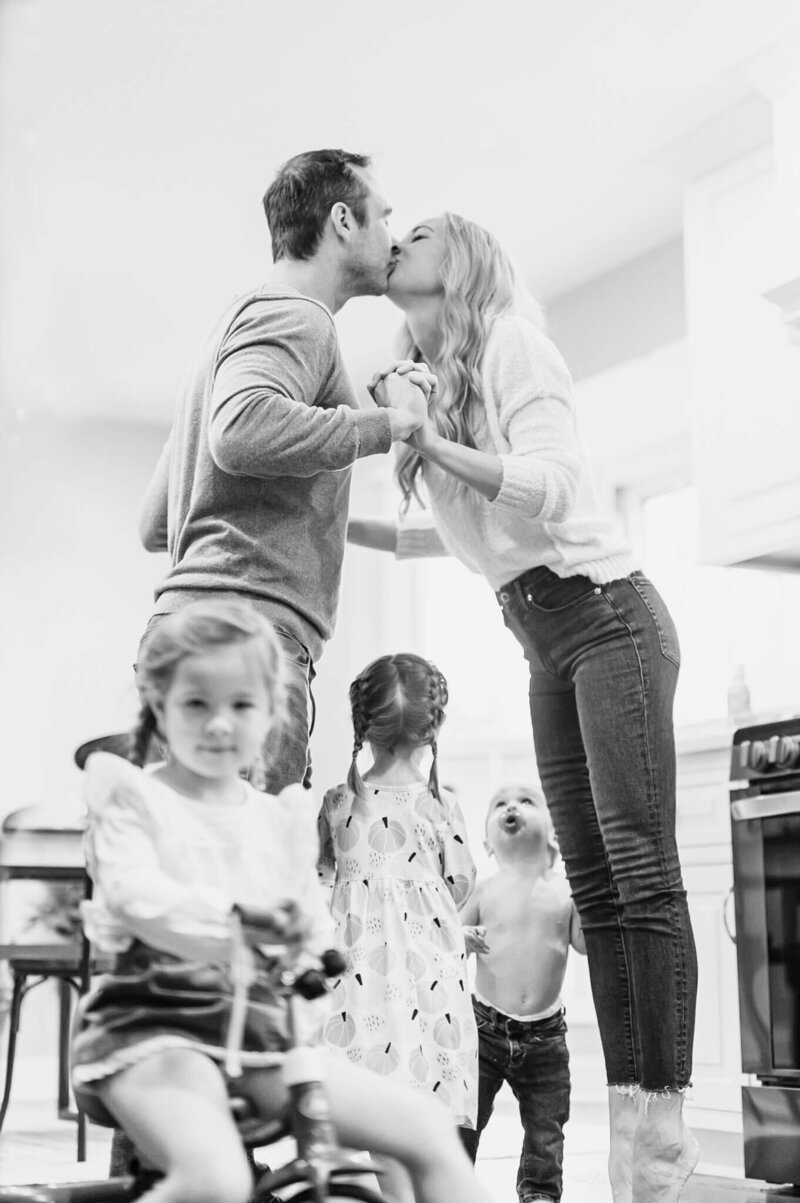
<point>394,843</point>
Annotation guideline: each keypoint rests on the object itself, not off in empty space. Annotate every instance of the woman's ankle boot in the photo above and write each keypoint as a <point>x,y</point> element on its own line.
<point>664,1150</point>
<point>622,1114</point>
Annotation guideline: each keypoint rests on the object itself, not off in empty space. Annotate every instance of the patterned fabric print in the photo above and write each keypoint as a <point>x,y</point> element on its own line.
<point>402,868</point>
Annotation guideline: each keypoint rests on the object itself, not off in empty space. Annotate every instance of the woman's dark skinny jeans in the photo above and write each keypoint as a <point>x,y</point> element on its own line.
<point>604,665</point>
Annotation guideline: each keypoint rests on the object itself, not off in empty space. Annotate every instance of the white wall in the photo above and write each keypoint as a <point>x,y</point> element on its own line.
<point>76,593</point>
<point>624,314</point>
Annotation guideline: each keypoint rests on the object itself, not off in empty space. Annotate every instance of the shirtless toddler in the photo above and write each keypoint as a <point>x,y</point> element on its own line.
<point>520,923</point>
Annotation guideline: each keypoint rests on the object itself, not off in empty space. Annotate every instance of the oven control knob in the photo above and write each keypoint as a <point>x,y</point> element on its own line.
<point>787,752</point>
<point>758,756</point>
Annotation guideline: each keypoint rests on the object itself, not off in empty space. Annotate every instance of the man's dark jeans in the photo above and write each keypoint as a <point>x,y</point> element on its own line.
<point>533,1058</point>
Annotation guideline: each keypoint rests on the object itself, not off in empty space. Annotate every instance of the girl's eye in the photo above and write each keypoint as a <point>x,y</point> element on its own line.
<point>417,237</point>
<point>244,705</point>
<point>195,703</point>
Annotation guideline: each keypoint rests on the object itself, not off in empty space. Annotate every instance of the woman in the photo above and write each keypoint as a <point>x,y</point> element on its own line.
<point>510,495</point>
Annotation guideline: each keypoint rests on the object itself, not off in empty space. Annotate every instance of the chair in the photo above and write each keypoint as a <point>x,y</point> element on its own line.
<point>37,844</point>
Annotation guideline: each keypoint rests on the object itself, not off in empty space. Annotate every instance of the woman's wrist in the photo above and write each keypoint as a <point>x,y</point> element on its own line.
<point>426,440</point>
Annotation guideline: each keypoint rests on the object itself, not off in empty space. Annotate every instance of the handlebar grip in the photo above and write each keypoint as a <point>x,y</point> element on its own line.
<point>333,962</point>
<point>310,984</point>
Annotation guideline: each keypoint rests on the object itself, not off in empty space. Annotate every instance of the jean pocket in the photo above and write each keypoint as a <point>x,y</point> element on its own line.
<point>553,594</point>
<point>662,619</point>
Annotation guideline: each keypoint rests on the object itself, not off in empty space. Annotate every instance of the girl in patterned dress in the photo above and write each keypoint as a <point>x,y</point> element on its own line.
<point>171,849</point>
<point>395,845</point>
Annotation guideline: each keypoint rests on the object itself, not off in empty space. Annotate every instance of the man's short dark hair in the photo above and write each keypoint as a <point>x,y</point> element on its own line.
<point>299,200</point>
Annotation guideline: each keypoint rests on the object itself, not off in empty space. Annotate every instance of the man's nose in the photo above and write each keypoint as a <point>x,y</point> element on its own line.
<point>395,248</point>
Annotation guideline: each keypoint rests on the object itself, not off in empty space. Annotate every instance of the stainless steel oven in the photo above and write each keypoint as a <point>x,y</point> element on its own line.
<point>765,824</point>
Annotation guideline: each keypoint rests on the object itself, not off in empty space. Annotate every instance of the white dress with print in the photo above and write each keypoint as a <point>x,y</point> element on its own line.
<point>402,868</point>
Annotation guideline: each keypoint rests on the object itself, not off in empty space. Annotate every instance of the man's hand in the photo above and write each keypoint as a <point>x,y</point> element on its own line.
<point>475,939</point>
<point>405,401</point>
<point>417,373</point>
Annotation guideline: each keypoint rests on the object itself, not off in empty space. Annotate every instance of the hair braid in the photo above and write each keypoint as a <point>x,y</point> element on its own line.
<point>360,728</point>
<point>433,776</point>
<point>354,780</point>
<point>142,735</point>
<point>397,701</point>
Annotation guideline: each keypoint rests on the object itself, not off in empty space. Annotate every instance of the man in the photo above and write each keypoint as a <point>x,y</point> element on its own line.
<point>250,496</point>
<point>251,493</point>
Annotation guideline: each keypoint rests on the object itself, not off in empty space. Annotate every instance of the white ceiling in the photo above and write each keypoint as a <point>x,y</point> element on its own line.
<point>138,138</point>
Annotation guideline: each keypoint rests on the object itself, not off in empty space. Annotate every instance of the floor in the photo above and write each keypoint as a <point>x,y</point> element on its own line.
<point>35,1147</point>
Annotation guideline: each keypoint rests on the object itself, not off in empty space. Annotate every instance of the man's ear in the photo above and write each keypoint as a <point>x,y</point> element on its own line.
<point>342,220</point>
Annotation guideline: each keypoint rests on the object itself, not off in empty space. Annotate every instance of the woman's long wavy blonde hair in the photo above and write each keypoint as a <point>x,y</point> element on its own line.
<point>480,283</point>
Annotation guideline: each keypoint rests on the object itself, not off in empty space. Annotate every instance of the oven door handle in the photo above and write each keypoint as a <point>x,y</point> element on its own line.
<point>726,923</point>
<point>765,806</point>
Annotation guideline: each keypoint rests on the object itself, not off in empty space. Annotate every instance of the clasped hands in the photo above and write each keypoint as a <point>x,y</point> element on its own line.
<point>407,388</point>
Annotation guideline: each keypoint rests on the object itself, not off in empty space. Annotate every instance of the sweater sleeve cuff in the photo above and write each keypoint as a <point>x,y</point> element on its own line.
<point>417,540</point>
<point>522,487</point>
<point>374,432</point>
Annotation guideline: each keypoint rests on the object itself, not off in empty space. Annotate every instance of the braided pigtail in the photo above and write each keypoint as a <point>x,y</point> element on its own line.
<point>433,778</point>
<point>142,735</point>
<point>360,727</point>
<point>354,780</point>
<point>438,697</point>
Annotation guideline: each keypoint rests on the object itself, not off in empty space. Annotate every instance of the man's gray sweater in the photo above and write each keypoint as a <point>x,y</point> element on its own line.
<point>265,434</point>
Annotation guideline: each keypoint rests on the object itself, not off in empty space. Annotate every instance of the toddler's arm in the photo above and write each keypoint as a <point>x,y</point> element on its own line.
<point>576,937</point>
<point>475,939</point>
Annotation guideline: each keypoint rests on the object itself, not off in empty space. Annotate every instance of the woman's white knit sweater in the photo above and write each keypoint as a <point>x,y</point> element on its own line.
<point>545,512</point>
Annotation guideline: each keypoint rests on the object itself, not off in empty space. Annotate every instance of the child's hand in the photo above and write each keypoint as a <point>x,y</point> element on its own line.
<point>475,939</point>
<point>283,923</point>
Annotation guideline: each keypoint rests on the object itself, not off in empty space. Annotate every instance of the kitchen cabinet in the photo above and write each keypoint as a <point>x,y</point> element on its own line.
<point>744,365</point>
